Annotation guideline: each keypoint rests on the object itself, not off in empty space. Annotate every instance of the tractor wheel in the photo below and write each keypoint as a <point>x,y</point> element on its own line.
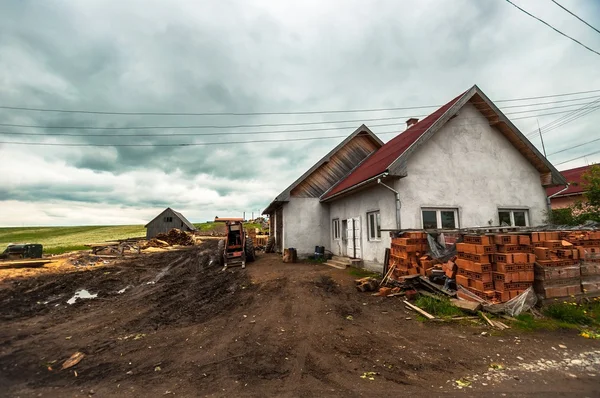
<point>270,248</point>
<point>250,254</point>
<point>221,252</point>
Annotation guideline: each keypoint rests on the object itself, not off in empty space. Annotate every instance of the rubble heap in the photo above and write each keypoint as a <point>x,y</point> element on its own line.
<point>176,237</point>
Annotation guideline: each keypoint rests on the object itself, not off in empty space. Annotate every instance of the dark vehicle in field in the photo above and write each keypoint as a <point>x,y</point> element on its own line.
<point>16,251</point>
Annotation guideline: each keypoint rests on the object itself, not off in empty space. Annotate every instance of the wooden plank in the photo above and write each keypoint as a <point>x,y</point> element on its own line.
<point>466,305</point>
<point>34,263</point>
<point>419,310</point>
<point>487,319</point>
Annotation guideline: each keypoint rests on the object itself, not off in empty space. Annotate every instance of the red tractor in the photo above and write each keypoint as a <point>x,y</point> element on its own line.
<point>236,248</point>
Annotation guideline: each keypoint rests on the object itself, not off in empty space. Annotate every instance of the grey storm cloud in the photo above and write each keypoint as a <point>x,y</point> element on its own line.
<point>239,56</point>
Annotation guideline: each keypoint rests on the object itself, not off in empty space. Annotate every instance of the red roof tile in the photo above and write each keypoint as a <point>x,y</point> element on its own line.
<point>381,160</point>
<point>573,177</point>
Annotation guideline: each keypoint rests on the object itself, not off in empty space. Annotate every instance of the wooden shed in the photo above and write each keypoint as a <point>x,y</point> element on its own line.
<point>166,221</point>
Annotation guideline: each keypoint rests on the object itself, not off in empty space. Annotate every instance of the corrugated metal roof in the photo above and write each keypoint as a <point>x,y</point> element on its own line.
<point>573,177</point>
<point>381,160</point>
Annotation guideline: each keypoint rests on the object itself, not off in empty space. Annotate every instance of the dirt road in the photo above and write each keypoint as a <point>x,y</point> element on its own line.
<point>173,324</point>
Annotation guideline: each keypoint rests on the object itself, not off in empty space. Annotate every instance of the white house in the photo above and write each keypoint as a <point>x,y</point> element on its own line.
<point>465,165</point>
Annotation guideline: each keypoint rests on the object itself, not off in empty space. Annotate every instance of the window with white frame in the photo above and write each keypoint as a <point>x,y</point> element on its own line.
<point>374,225</point>
<point>335,227</point>
<point>513,217</point>
<point>439,218</point>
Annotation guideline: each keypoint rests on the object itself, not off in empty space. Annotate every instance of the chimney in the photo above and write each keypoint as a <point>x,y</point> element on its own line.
<point>411,122</point>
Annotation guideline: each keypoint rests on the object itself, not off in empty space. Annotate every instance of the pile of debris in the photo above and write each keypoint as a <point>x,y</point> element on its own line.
<point>176,237</point>
<point>498,267</point>
<point>87,260</point>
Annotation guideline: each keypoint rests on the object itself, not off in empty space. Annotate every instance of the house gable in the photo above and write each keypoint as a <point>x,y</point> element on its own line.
<point>330,169</point>
<point>472,168</point>
<point>391,158</point>
<point>337,167</point>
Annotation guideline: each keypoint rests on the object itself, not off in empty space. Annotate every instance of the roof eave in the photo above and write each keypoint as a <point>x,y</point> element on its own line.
<point>353,187</point>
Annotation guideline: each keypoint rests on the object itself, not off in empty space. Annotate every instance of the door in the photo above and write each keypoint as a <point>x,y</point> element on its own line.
<point>349,237</point>
<point>344,245</point>
<point>279,230</point>
<point>357,245</point>
<point>353,245</point>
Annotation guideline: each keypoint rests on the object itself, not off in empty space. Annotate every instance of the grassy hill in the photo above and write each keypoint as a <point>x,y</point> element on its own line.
<point>58,240</point>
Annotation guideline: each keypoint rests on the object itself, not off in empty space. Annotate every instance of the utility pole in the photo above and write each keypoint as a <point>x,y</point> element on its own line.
<point>541,138</point>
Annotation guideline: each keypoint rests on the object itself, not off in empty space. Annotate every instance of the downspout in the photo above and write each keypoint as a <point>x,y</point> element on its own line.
<point>548,201</point>
<point>398,204</point>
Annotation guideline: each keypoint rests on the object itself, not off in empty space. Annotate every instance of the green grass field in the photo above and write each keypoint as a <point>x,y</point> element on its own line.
<point>57,240</point>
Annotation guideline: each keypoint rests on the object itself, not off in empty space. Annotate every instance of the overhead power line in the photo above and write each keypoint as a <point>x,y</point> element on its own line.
<point>176,145</point>
<point>577,158</point>
<point>575,146</point>
<point>21,108</point>
<point>553,28</point>
<point>109,128</point>
<point>576,112</point>
<point>576,16</point>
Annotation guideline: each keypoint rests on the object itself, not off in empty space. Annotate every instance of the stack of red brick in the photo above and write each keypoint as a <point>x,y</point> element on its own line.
<point>495,267</point>
<point>588,245</point>
<point>408,254</point>
<point>557,268</point>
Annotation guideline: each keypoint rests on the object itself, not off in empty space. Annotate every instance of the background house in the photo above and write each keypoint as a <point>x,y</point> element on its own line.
<point>465,165</point>
<point>166,221</point>
<point>572,194</point>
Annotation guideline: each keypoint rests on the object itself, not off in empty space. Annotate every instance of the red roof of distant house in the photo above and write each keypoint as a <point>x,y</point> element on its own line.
<point>381,160</point>
<point>573,177</point>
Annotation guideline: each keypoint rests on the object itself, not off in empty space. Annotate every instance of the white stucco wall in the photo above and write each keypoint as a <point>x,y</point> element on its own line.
<point>306,225</point>
<point>471,166</point>
<point>358,205</point>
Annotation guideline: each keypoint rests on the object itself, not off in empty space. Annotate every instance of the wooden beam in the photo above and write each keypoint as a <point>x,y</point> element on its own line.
<point>420,311</point>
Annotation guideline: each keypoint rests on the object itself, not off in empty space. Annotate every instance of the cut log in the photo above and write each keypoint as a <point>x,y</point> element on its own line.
<point>419,310</point>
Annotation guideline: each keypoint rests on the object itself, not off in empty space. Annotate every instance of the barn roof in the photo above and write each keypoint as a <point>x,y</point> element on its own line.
<point>396,151</point>
<point>178,215</point>
<point>573,177</point>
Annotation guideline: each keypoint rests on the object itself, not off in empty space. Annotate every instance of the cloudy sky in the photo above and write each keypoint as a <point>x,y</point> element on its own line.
<point>252,57</point>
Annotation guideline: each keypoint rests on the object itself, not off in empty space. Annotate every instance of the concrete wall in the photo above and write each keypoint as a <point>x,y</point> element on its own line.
<point>306,225</point>
<point>357,205</point>
<point>471,166</point>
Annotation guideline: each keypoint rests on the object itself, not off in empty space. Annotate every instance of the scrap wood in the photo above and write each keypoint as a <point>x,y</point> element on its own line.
<point>419,310</point>
<point>388,274</point>
<point>495,324</point>
<point>396,294</point>
<point>428,284</point>
<point>73,360</point>
<point>466,305</point>
<point>487,319</point>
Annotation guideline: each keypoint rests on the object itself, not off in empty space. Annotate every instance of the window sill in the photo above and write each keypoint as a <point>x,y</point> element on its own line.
<point>375,240</point>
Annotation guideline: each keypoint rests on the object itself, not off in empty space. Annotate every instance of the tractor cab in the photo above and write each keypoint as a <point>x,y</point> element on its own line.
<point>236,248</point>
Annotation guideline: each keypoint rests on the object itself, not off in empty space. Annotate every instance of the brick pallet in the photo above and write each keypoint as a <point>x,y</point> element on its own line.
<point>407,254</point>
<point>590,267</point>
<point>497,267</point>
<point>557,269</point>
